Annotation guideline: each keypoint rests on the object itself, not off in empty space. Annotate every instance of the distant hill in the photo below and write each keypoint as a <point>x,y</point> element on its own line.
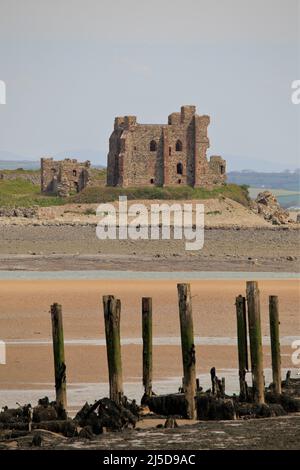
<point>236,163</point>
<point>16,164</point>
<point>11,161</point>
<point>281,180</point>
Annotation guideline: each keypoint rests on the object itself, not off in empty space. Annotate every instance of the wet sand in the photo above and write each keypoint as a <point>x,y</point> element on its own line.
<point>280,433</point>
<point>272,433</point>
<point>65,247</point>
<point>25,325</point>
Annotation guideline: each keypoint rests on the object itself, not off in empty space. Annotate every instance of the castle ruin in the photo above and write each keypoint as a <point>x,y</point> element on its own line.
<point>163,154</point>
<point>64,177</point>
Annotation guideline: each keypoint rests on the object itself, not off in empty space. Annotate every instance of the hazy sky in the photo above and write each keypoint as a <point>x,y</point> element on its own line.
<point>71,66</point>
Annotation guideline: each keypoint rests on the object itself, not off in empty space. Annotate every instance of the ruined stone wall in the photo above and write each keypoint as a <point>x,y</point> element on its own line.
<point>113,157</point>
<point>217,166</point>
<point>64,177</point>
<point>143,156</point>
<point>33,177</point>
<point>163,154</point>
<point>49,171</point>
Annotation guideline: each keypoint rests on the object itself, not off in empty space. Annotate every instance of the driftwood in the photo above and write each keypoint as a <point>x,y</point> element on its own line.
<point>8,414</point>
<point>207,406</point>
<point>168,405</point>
<point>217,385</point>
<point>107,414</point>
<point>291,386</point>
<point>42,413</point>
<point>16,425</point>
<point>170,423</point>
<point>214,408</point>
<point>86,433</point>
<point>253,410</point>
<point>289,403</point>
<point>25,418</point>
<point>66,427</point>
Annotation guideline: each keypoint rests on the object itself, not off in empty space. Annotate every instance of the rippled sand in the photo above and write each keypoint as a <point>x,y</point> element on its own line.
<point>25,325</point>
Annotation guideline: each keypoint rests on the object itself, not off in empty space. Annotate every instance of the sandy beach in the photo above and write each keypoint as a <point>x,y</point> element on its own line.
<point>25,326</point>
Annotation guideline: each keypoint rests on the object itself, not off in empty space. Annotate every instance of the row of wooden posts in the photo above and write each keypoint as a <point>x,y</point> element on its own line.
<point>112,311</point>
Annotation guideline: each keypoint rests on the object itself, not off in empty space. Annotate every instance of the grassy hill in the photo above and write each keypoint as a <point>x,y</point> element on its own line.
<point>21,193</point>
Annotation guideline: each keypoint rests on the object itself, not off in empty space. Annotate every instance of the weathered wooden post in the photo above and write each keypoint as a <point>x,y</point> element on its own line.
<point>256,350</point>
<point>188,347</point>
<point>59,356</point>
<point>223,387</point>
<point>240,304</point>
<point>112,311</point>
<point>275,342</point>
<point>147,344</point>
<point>213,378</point>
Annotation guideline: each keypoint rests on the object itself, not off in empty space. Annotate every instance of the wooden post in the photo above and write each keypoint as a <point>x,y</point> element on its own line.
<point>223,387</point>
<point>59,356</point>
<point>240,304</point>
<point>188,347</point>
<point>112,311</point>
<point>255,342</point>
<point>147,344</point>
<point>275,342</point>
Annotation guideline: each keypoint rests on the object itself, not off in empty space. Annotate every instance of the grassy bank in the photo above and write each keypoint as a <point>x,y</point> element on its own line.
<point>20,193</point>
<point>108,194</point>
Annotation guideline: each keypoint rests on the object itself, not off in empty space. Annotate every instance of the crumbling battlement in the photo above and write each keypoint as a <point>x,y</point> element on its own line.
<point>64,177</point>
<point>163,154</point>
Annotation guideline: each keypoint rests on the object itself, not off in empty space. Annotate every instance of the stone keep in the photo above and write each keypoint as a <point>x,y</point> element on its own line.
<point>163,154</point>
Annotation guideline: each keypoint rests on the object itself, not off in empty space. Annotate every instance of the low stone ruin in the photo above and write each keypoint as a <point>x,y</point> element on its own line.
<point>33,177</point>
<point>64,177</point>
<point>26,212</point>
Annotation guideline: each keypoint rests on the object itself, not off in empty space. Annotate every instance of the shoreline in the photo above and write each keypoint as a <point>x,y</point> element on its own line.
<point>76,248</point>
<point>93,275</point>
<point>133,263</point>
